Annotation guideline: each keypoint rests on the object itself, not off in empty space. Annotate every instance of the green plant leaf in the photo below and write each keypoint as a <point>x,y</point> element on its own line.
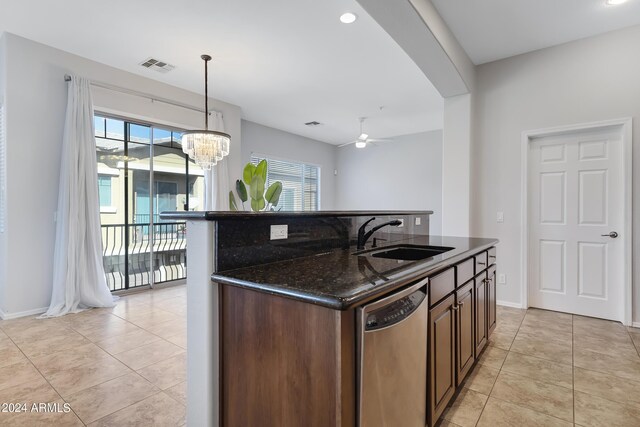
<point>273,193</point>
<point>241,189</point>
<point>232,202</point>
<point>248,172</point>
<point>261,169</point>
<point>256,189</point>
<point>257,205</point>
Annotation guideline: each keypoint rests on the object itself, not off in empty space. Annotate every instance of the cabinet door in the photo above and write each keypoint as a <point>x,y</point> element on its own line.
<point>481,312</point>
<point>491,298</point>
<point>465,341</point>
<point>441,357</point>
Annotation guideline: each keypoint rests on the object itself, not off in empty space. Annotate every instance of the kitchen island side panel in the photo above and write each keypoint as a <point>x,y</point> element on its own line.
<point>285,362</point>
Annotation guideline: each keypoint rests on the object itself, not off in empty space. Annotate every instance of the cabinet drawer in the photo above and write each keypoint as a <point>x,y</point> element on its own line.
<point>464,272</point>
<point>492,256</point>
<point>441,285</point>
<point>481,261</point>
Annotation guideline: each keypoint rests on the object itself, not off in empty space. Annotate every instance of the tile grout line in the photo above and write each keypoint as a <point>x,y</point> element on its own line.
<point>131,370</point>
<point>128,406</point>
<point>532,410</point>
<point>633,341</point>
<point>146,330</point>
<point>515,404</point>
<point>134,371</point>
<point>45,378</point>
<point>499,370</point>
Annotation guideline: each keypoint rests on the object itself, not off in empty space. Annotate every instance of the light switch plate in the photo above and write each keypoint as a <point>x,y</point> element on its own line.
<point>279,232</point>
<point>500,217</point>
<point>502,279</point>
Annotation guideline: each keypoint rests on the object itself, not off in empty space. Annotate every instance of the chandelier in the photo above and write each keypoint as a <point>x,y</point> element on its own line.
<point>206,147</point>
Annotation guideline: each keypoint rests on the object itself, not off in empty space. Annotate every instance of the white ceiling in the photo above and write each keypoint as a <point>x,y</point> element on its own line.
<point>284,62</point>
<point>494,29</point>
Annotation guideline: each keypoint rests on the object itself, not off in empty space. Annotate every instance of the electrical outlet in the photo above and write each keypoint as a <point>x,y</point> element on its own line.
<point>502,279</point>
<point>418,220</point>
<point>401,222</point>
<point>279,232</point>
<point>500,217</point>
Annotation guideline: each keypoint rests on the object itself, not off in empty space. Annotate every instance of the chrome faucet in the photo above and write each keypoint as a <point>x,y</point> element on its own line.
<point>363,237</point>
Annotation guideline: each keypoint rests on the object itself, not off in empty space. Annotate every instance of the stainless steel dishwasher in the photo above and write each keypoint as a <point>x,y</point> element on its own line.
<point>393,359</point>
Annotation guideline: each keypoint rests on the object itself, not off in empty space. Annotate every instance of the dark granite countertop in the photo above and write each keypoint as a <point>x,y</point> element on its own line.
<point>339,280</point>
<point>218,215</point>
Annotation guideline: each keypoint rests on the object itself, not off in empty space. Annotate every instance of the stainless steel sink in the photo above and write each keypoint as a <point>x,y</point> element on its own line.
<point>406,252</point>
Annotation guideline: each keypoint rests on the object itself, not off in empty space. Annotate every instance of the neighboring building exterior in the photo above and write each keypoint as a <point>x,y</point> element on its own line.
<point>139,247</point>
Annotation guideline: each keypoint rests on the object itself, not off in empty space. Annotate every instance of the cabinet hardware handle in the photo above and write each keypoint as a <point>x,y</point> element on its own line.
<point>481,263</point>
<point>492,256</point>
<point>455,307</point>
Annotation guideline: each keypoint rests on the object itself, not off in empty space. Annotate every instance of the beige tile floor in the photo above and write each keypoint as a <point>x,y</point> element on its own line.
<point>124,366</point>
<point>544,368</point>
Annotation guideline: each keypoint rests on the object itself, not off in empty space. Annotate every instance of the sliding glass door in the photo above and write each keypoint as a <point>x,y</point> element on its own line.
<point>142,172</point>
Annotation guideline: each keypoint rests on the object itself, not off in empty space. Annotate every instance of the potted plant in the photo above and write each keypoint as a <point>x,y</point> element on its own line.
<point>255,178</point>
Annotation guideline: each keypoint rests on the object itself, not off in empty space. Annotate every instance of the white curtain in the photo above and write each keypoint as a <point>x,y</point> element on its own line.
<point>78,274</point>
<point>216,180</point>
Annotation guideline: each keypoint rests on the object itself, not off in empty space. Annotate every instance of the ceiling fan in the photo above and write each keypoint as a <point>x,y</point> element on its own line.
<point>363,140</point>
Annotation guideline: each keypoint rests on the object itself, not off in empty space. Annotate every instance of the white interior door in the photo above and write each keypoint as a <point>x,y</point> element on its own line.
<point>576,199</point>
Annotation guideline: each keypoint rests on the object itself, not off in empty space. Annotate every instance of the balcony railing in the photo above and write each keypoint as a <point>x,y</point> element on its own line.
<point>131,266</point>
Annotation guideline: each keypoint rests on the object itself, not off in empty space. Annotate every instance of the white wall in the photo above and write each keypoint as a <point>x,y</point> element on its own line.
<point>260,139</point>
<point>588,80</point>
<point>456,162</point>
<point>405,174</point>
<point>36,97</point>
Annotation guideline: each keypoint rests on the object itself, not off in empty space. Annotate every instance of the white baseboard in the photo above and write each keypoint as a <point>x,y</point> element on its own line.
<point>509,304</point>
<point>9,316</point>
<point>635,324</point>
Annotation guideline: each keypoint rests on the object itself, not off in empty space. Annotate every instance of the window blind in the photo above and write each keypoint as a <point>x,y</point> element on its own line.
<point>3,172</point>
<point>300,183</point>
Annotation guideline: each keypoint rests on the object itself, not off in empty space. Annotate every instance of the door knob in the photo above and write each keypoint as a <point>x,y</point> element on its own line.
<point>613,235</point>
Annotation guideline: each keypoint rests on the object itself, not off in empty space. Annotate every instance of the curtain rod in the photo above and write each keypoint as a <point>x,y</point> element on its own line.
<point>67,78</point>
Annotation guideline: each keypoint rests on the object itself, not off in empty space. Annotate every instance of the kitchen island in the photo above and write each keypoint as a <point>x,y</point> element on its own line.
<point>276,326</point>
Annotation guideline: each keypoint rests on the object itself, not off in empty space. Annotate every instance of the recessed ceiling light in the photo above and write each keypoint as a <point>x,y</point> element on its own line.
<point>361,144</point>
<point>349,17</point>
<point>615,2</point>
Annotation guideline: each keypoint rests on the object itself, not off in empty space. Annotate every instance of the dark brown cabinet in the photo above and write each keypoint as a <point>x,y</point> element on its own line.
<point>491,298</point>
<point>465,272</point>
<point>461,317</point>
<point>481,261</point>
<point>316,350</point>
<point>442,333</point>
<point>481,331</point>
<point>464,331</point>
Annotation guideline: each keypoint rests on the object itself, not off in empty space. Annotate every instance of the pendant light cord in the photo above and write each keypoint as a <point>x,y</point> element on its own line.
<point>206,59</point>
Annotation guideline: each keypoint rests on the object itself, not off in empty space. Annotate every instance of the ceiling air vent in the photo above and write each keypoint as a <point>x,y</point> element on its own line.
<point>159,66</point>
<point>313,123</point>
